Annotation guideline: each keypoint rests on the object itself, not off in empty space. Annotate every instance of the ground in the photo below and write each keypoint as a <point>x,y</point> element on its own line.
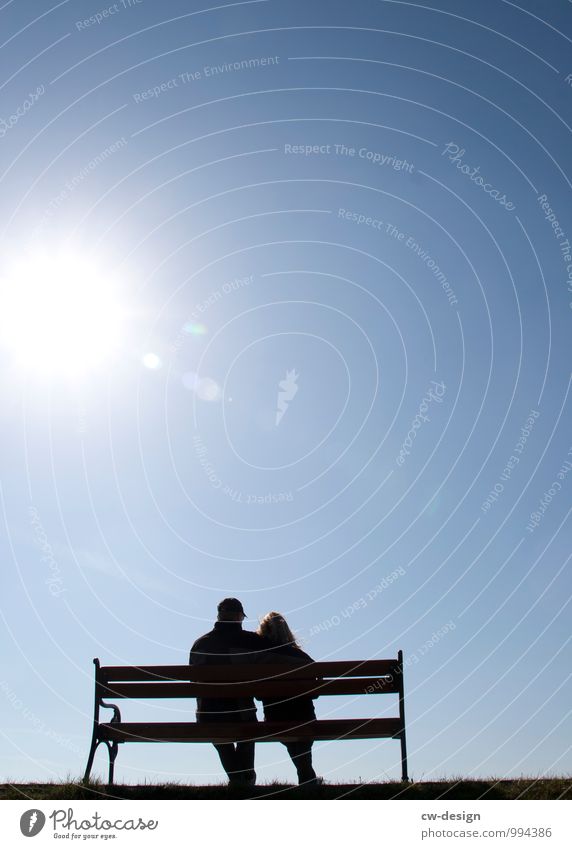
<point>492,788</point>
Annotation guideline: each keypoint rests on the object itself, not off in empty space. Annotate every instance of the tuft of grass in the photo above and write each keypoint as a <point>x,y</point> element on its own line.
<point>454,789</point>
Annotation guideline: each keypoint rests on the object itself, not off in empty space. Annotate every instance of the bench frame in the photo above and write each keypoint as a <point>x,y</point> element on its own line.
<point>261,680</point>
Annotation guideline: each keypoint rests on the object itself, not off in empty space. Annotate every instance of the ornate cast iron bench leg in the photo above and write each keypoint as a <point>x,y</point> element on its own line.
<point>91,756</point>
<point>112,747</point>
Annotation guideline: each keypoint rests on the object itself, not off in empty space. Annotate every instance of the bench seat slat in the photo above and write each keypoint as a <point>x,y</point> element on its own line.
<point>222,732</point>
<point>251,672</point>
<point>261,689</point>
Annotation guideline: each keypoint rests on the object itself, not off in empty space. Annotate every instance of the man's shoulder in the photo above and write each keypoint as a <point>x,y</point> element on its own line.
<point>253,637</point>
<point>206,638</point>
<point>242,638</point>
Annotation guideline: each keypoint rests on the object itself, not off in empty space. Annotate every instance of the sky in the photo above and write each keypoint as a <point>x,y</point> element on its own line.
<point>285,314</point>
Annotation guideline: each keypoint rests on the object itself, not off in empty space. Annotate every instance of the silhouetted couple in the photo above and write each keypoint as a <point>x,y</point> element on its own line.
<point>229,643</point>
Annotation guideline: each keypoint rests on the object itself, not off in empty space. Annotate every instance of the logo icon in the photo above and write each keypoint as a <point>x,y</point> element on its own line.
<point>288,388</point>
<point>32,822</point>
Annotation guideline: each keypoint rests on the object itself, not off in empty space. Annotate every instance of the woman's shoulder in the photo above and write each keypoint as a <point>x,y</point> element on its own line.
<point>294,652</point>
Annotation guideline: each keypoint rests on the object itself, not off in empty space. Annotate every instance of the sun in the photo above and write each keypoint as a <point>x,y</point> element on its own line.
<point>59,313</point>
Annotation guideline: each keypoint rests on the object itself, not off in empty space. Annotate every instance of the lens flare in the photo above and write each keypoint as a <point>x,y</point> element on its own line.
<point>208,389</point>
<point>152,361</point>
<point>204,388</point>
<point>195,329</point>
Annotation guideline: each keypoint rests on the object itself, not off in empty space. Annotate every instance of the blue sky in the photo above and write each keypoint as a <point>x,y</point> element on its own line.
<point>367,203</point>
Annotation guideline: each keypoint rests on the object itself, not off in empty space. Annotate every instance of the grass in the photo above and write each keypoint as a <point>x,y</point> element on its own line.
<point>460,789</point>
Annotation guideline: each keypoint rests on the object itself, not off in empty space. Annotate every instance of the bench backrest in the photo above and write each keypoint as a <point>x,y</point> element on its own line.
<point>333,678</point>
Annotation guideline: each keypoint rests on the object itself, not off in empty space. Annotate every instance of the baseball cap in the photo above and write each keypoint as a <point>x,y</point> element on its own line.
<point>230,605</point>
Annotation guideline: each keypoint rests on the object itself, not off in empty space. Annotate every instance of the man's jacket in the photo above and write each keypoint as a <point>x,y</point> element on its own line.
<point>228,643</point>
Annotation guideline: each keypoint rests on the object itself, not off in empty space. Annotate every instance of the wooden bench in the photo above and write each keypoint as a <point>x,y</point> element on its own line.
<point>335,678</point>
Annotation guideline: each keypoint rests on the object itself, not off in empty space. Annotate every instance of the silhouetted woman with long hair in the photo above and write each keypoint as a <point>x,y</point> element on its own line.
<point>274,628</point>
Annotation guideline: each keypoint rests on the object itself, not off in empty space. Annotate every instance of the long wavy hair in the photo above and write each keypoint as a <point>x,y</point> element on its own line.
<point>274,628</point>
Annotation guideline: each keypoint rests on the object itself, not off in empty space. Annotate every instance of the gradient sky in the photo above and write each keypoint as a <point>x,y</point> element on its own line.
<point>137,495</point>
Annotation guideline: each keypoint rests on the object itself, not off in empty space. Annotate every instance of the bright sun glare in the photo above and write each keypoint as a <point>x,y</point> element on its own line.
<point>58,314</point>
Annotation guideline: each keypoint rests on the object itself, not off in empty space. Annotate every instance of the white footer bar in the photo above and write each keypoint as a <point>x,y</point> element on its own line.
<point>288,824</point>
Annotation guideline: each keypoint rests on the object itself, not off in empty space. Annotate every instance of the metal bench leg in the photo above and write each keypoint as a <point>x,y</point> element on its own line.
<point>94,744</point>
<point>113,749</point>
<point>95,741</point>
<point>404,776</point>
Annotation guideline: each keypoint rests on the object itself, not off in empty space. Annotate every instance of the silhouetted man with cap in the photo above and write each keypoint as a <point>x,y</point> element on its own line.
<point>228,643</point>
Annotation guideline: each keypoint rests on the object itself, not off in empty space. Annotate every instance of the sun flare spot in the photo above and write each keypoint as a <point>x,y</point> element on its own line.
<point>59,314</point>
